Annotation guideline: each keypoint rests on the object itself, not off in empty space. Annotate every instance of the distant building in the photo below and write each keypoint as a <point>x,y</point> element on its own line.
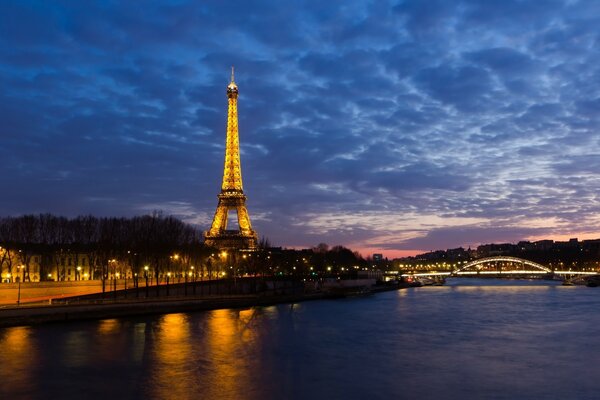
<point>525,246</point>
<point>488,250</point>
<point>458,253</point>
<point>544,244</point>
<point>19,267</point>
<point>571,244</point>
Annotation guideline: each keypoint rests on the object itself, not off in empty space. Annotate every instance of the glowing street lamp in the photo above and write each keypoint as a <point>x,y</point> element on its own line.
<point>146,268</point>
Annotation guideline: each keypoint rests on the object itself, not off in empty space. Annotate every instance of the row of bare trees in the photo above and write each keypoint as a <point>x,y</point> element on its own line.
<point>145,241</point>
<point>150,245</point>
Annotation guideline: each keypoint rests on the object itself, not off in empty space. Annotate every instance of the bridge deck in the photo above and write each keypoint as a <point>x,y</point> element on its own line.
<point>513,272</point>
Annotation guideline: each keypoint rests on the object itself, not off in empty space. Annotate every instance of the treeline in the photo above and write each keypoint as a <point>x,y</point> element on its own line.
<point>320,260</point>
<point>149,240</point>
<point>88,247</point>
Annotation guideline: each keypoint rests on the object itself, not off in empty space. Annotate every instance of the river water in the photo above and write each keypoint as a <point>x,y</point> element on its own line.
<point>470,339</point>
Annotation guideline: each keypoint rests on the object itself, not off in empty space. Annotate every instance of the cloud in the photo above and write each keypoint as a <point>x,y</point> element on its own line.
<point>482,116</point>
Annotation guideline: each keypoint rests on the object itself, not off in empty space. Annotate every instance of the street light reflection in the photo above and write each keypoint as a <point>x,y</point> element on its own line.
<point>174,354</point>
<point>212,347</point>
<point>18,359</point>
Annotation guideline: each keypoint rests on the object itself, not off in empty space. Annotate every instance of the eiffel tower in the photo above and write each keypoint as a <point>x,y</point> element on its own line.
<point>232,194</point>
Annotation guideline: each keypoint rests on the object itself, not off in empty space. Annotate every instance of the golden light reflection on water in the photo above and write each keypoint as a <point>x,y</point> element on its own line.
<point>18,359</point>
<point>108,326</point>
<point>109,342</point>
<point>215,356</point>
<point>230,341</point>
<point>173,354</point>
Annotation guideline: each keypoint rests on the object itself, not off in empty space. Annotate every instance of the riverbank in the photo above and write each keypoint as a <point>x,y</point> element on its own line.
<point>89,310</point>
<point>32,315</point>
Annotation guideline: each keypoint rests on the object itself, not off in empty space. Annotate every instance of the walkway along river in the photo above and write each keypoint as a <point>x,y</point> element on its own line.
<point>470,339</point>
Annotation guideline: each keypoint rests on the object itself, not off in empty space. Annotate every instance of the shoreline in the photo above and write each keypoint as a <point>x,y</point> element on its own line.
<point>26,315</point>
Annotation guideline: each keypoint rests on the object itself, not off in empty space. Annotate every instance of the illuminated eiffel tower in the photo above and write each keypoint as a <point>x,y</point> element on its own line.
<point>232,194</point>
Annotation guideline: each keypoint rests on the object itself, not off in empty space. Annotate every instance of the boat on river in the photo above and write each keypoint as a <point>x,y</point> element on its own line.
<point>432,281</point>
<point>589,281</point>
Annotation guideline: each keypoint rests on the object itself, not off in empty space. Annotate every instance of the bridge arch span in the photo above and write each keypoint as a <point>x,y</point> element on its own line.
<point>516,260</point>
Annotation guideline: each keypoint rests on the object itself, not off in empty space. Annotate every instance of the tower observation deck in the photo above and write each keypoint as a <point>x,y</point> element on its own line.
<point>232,196</point>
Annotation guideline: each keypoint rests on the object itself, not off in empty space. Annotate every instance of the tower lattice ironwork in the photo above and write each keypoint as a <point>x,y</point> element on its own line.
<point>232,193</point>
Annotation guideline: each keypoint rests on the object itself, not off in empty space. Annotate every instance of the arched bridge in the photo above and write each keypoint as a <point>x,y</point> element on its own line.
<point>502,266</point>
<point>479,263</point>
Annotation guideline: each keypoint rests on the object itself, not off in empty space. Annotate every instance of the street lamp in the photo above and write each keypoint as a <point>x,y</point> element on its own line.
<point>224,257</point>
<point>168,276</point>
<point>115,280</point>
<point>78,273</point>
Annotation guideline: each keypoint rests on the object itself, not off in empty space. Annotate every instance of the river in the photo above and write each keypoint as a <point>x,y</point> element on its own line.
<point>470,339</point>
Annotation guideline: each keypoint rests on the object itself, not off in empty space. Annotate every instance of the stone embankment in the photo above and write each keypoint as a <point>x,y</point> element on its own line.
<point>30,315</point>
<point>183,297</point>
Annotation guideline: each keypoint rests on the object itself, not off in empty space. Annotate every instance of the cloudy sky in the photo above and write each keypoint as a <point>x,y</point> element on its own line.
<point>386,126</point>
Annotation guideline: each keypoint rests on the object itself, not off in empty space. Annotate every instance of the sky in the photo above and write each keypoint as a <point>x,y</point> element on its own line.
<point>394,127</point>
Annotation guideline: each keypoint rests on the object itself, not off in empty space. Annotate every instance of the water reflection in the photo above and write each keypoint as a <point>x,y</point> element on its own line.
<point>107,343</point>
<point>229,349</point>
<point>18,361</point>
<point>214,356</point>
<point>108,326</point>
<point>172,355</point>
<point>505,342</point>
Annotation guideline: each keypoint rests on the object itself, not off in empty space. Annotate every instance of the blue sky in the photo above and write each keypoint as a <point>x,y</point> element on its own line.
<point>385,126</point>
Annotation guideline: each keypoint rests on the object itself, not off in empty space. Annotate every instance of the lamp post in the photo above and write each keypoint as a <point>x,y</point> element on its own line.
<point>78,273</point>
<point>224,257</point>
<point>19,290</point>
<point>116,277</point>
<point>168,276</point>
<point>146,276</point>
<point>193,274</point>
<point>174,258</point>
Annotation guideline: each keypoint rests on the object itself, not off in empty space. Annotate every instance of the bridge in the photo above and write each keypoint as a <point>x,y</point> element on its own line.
<point>502,266</point>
